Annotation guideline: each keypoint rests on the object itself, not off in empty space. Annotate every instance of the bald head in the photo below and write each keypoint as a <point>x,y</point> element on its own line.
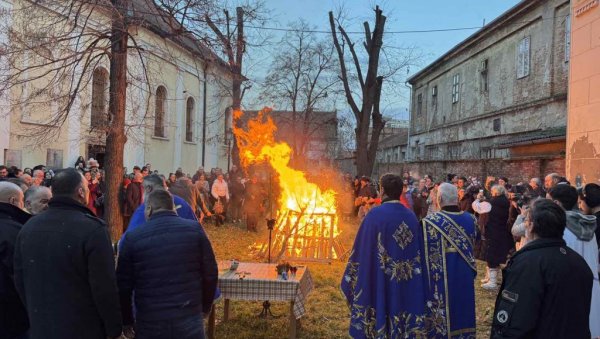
<point>26,178</point>
<point>447,195</point>
<point>38,177</point>
<point>11,194</point>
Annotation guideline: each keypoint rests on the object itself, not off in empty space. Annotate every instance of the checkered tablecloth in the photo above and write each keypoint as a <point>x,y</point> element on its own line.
<point>261,283</point>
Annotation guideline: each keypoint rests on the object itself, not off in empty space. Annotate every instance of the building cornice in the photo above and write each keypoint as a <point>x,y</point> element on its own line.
<point>543,101</point>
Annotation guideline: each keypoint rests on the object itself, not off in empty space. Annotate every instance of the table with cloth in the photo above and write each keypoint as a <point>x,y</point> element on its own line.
<point>260,282</point>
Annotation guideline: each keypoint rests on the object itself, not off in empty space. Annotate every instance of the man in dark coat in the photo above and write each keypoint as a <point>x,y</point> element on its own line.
<point>134,196</point>
<point>64,267</point>
<point>170,266</point>
<point>184,188</point>
<point>547,287</point>
<point>13,316</point>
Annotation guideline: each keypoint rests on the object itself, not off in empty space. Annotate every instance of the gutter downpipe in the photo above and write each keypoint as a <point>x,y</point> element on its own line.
<point>204,116</point>
<point>408,146</point>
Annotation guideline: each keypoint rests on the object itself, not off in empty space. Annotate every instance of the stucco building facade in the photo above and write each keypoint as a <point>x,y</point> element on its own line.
<point>176,106</point>
<point>496,103</point>
<point>583,134</point>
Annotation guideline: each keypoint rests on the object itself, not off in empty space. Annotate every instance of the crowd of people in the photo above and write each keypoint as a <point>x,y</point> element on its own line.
<point>163,257</point>
<point>214,195</point>
<point>540,241</point>
<point>410,273</point>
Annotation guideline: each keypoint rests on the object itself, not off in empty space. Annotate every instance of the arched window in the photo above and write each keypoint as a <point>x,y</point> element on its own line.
<point>189,120</point>
<point>99,114</point>
<point>159,112</point>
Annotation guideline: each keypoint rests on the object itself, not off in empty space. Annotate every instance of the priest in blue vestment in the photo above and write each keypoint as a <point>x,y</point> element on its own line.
<point>449,266</point>
<point>384,281</point>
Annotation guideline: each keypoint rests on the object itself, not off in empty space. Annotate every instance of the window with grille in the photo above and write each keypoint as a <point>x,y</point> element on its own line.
<point>484,75</point>
<point>159,112</point>
<point>99,114</point>
<point>567,38</point>
<point>189,120</point>
<point>523,57</point>
<point>497,125</point>
<point>54,158</point>
<point>455,88</point>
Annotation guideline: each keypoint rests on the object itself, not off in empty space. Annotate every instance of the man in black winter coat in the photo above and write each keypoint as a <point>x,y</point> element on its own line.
<point>13,316</point>
<point>547,287</point>
<point>169,264</point>
<point>64,267</point>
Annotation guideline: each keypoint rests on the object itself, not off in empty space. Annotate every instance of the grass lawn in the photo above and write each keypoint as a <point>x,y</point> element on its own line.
<point>326,316</point>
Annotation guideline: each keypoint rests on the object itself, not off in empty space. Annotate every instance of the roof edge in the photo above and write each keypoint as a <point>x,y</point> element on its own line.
<point>485,30</point>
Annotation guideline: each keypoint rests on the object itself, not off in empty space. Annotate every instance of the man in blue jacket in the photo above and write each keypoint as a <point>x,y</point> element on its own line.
<point>152,183</point>
<point>170,266</point>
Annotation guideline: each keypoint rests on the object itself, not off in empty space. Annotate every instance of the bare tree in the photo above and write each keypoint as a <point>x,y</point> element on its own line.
<point>302,79</point>
<point>365,103</point>
<point>51,50</point>
<point>230,35</point>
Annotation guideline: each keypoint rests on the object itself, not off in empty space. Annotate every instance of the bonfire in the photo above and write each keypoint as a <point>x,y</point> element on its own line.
<point>306,226</point>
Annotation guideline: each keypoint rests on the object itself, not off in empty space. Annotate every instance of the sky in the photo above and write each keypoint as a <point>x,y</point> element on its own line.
<point>402,15</point>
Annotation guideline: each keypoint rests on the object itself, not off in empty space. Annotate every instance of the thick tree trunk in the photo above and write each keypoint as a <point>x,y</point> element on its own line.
<point>115,140</point>
<point>238,78</point>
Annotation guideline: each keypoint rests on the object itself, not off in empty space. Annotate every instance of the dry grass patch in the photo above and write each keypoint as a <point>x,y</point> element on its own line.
<point>327,315</point>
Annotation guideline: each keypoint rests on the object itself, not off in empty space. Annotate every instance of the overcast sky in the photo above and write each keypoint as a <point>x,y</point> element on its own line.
<point>402,15</point>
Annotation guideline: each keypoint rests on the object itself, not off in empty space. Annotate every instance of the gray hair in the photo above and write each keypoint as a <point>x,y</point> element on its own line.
<point>499,189</point>
<point>154,181</point>
<point>32,191</point>
<point>447,195</point>
<point>537,181</point>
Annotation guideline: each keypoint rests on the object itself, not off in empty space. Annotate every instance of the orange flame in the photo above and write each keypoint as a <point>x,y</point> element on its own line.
<point>257,144</point>
<point>315,220</point>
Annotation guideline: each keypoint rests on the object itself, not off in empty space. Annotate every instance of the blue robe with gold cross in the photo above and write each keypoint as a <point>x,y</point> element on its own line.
<point>449,268</point>
<point>384,282</point>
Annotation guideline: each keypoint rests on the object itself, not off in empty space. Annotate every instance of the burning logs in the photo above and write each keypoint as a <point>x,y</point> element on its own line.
<point>305,237</point>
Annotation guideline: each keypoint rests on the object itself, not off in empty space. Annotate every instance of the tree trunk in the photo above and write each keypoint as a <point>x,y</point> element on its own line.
<point>238,78</point>
<point>236,105</point>
<point>115,140</point>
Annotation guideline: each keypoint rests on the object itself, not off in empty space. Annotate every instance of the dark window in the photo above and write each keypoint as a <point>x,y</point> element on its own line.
<point>497,125</point>
<point>99,114</point>
<point>434,91</point>
<point>419,104</point>
<point>189,120</point>
<point>159,112</point>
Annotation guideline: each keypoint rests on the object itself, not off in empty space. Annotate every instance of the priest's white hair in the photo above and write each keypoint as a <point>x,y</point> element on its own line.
<point>447,195</point>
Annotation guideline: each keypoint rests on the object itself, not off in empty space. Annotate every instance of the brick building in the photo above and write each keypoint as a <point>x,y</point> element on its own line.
<point>316,142</point>
<point>496,103</point>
